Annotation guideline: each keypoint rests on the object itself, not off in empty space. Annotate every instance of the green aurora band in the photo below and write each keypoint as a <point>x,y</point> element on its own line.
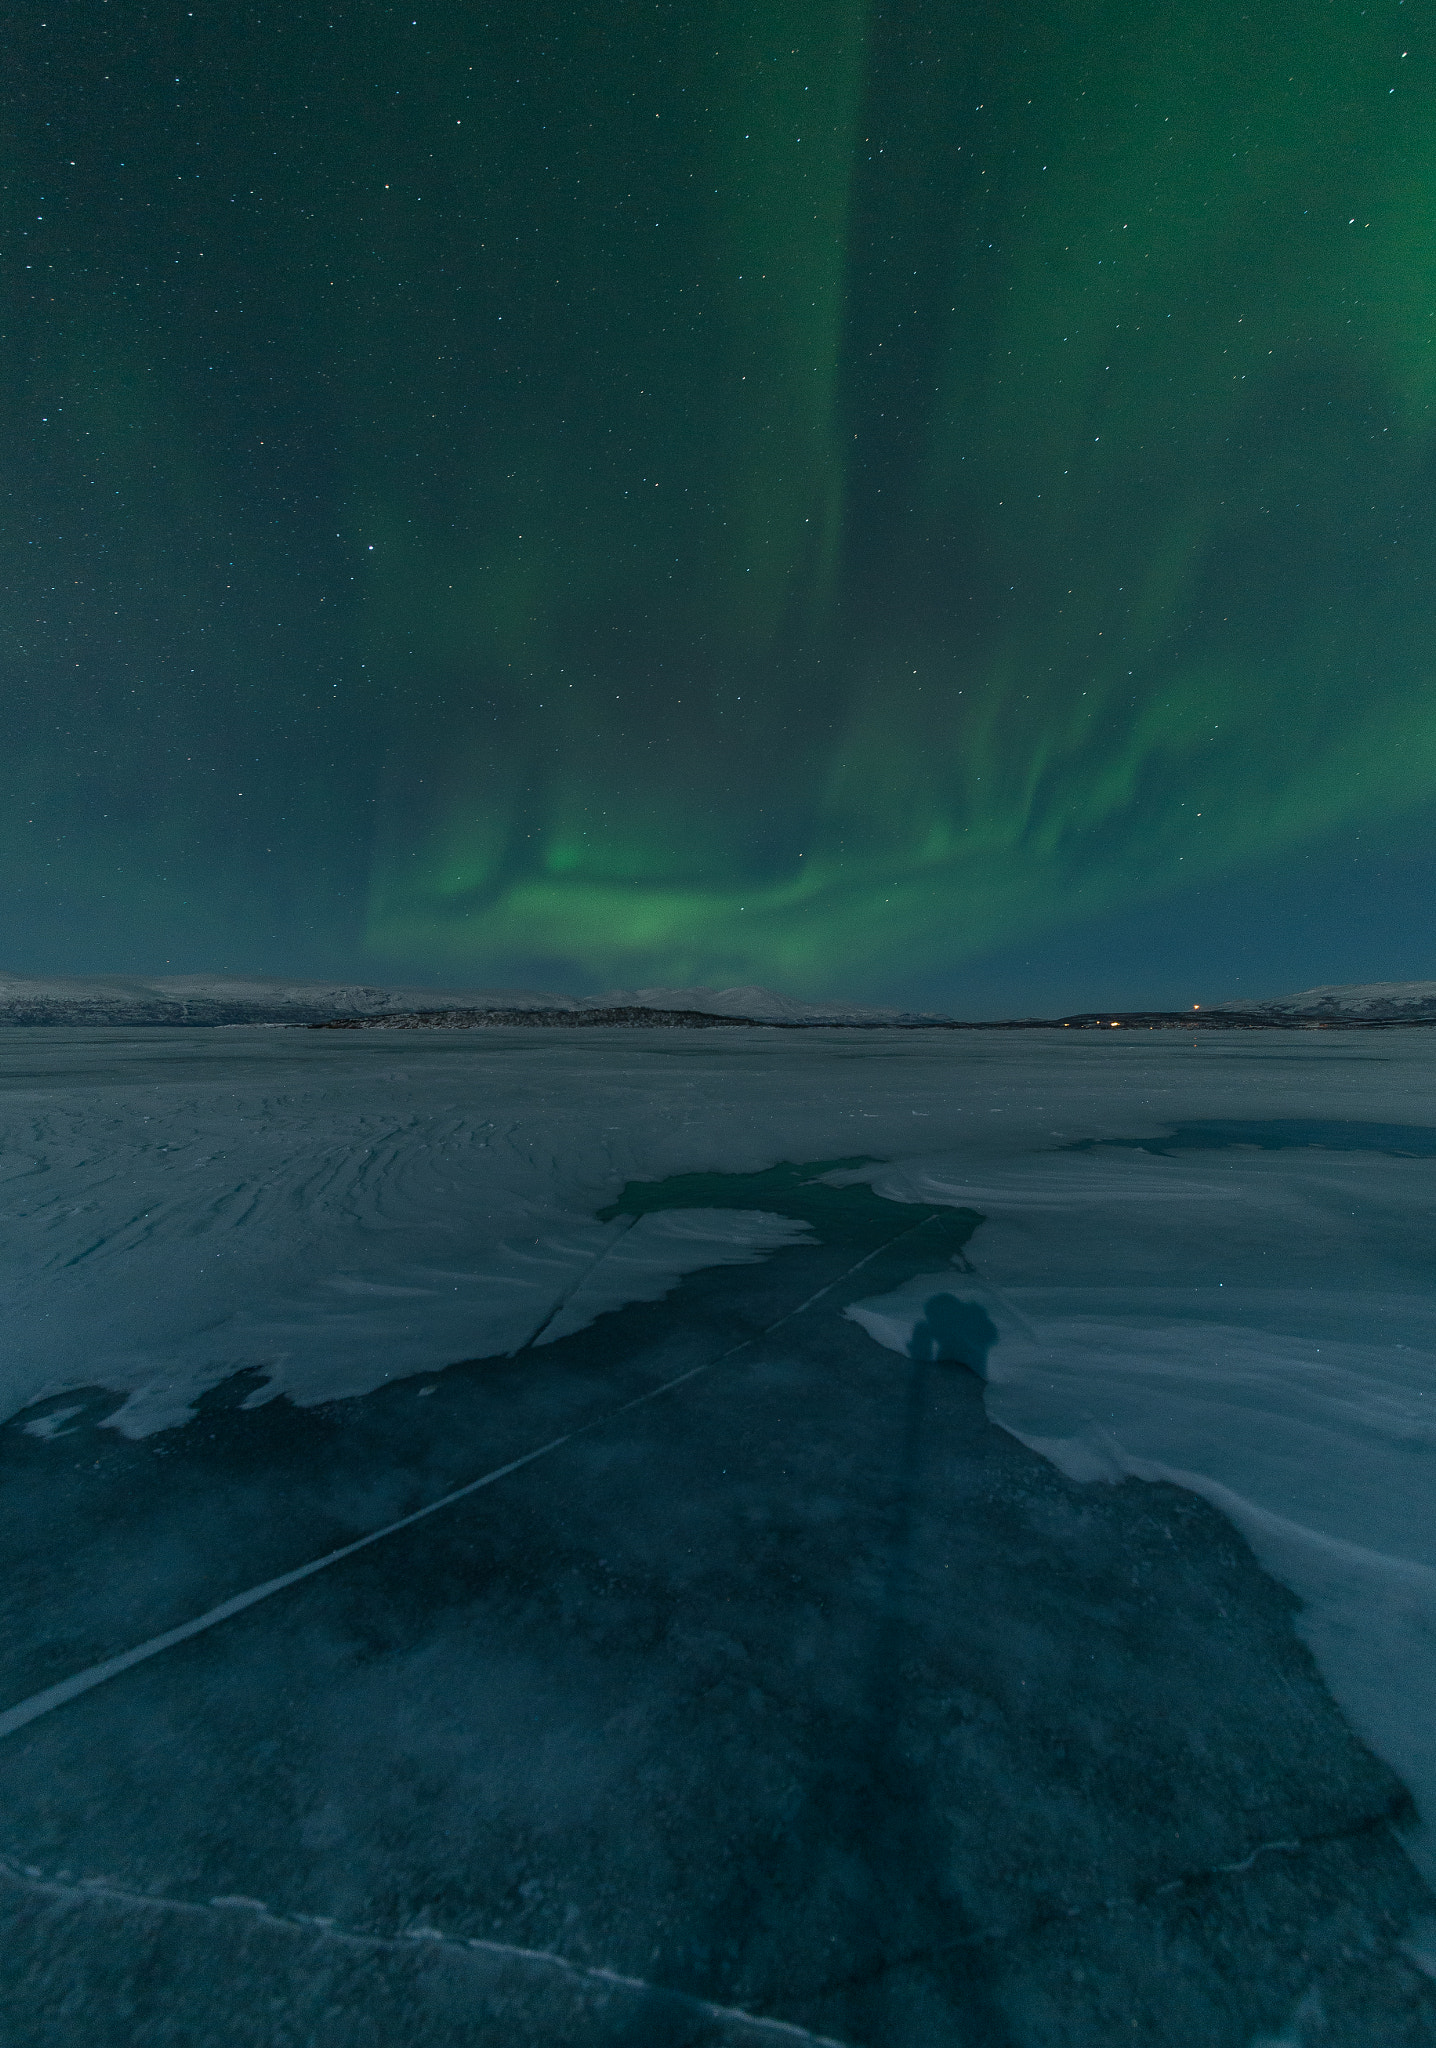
<point>770,493</point>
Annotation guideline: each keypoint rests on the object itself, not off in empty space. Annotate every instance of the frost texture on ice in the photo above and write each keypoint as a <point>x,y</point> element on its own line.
<point>177,1207</point>
<point>1253,1320</point>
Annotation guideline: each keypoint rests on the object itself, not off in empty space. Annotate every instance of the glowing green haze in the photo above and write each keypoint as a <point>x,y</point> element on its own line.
<point>810,494</point>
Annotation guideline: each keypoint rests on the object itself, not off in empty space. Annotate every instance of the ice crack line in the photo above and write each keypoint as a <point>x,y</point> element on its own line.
<point>24,1711</point>
<point>467,1946</point>
<point>1141,1895</point>
<point>569,1292</point>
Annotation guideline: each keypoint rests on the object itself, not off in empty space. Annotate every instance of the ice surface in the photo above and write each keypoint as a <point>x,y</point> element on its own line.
<point>177,1207</point>
<point>1255,1325</point>
<point>1248,1310</point>
<point>641,1261</point>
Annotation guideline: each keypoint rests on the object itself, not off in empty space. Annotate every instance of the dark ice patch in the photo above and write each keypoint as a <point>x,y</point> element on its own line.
<point>839,1216</point>
<point>1276,1134</point>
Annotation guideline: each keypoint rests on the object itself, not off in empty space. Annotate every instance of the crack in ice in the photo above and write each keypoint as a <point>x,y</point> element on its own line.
<point>992,1937</point>
<point>58,1695</point>
<point>316,1925</point>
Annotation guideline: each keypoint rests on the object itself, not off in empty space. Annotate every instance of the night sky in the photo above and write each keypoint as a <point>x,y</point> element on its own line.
<point>929,503</point>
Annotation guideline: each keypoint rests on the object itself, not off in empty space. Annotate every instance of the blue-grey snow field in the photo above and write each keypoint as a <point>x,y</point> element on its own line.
<point>933,1538</point>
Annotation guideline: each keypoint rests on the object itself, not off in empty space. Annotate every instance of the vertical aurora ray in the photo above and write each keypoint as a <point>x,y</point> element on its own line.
<point>671,528</point>
<point>1149,595</point>
<point>786,493</point>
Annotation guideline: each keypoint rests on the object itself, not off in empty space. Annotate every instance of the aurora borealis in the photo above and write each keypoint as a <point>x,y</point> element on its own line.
<point>822,495</point>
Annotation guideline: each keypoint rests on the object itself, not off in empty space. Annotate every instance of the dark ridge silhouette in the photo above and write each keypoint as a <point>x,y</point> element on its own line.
<point>693,1020</point>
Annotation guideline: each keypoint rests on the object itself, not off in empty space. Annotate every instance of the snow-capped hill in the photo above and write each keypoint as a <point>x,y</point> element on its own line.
<point>121,999</point>
<point>226,999</point>
<point>1387,1001</point>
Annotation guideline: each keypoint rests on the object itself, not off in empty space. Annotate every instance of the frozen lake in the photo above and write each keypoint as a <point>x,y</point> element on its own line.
<point>252,1279</point>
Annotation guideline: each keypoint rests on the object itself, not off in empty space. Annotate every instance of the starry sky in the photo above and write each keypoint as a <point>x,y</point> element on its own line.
<point>917,502</point>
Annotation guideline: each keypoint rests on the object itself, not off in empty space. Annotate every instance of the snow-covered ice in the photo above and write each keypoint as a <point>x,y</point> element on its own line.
<point>1209,1262</point>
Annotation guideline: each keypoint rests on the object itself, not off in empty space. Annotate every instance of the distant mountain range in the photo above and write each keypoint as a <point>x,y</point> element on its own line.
<point>240,999</point>
<point>234,999</point>
<point>1379,1002</point>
